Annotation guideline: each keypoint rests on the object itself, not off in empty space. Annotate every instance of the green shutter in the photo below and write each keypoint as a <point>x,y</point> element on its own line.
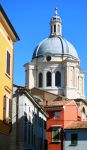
<point>74,139</point>
<point>55,134</point>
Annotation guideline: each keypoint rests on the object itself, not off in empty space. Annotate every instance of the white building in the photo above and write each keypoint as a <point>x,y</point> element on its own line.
<point>28,122</point>
<point>55,65</point>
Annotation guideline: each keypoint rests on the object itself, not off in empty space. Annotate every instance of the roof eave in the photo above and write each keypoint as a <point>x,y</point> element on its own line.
<point>9,23</point>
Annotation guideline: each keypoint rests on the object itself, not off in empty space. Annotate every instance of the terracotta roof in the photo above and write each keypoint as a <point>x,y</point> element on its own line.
<point>57,103</point>
<point>77,125</point>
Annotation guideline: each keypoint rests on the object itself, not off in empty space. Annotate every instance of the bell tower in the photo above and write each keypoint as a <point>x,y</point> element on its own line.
<point>56,25</point>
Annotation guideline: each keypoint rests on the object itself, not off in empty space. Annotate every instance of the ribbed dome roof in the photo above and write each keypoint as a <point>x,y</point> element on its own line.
<point>56,46</point>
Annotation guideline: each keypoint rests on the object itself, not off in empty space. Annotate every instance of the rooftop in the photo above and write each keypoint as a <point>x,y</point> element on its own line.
<point>57,103</point>
<point>78,125</point>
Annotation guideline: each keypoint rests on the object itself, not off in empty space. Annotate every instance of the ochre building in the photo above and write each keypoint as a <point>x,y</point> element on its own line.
<point>8,36</point>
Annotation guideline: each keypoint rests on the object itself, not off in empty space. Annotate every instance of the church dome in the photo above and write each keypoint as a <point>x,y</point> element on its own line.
<point>56,46</point>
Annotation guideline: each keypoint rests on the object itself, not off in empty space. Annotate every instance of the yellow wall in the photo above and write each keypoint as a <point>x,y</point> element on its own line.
<point>5,81</point>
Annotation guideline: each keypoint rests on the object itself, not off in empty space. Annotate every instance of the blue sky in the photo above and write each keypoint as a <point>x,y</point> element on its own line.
<point>31,19</point>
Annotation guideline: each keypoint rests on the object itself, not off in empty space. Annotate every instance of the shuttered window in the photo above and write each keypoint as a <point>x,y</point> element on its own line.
<point>7,112</point>
<point>8,63</point>
<point>55,134</point>
<point>7,107</point>
<point>74,139</point>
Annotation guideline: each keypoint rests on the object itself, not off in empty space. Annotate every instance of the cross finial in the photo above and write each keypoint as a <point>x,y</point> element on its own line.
<point>56,12</point>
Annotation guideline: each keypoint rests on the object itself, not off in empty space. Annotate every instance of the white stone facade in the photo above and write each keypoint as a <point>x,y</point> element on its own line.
<point>28,123</point>
<point>72,79</point>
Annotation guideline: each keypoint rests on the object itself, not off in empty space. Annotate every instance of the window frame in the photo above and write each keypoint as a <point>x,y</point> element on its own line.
<point>7,106</point>
<point>7,109</point>
<point>8,73</point>
<point>56,115</point>
<point>74,139</point>
<point>56,128</point>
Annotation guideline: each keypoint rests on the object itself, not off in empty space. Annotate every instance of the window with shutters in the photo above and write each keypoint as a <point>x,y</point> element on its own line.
<point>74,139</point>
<point>56,134</point>
<point>7,109</point>
<point>8,63</point>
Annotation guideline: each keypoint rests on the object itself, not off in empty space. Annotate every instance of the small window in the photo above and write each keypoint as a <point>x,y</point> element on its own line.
<point>40,84</point>
<point>56,115</point>
<point>8,63</point>
<point>48,78</point>
<point>55,134</point>
<point>74,139</point>
<point>54,28</point>
<point>48,58</point>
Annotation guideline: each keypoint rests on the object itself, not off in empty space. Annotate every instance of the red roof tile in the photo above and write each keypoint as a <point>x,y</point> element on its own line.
<point>57,103</point>
<point>77,125</point>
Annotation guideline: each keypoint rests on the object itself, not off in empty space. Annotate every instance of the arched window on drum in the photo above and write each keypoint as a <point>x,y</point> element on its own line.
<point>40,80</point>
<point>58,79</point>
<point>48,78</point>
